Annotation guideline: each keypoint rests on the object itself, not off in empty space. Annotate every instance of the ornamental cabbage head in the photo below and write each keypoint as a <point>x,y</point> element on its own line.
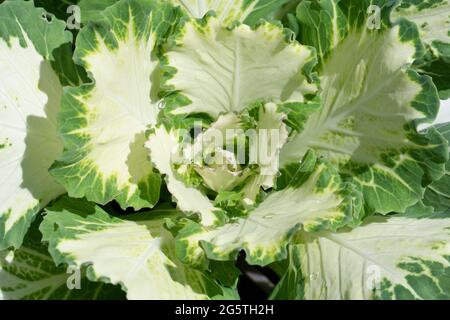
<point>165,139</point>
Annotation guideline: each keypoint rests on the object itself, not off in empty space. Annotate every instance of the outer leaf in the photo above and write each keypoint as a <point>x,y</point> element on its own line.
<point>92,10</point>
<point>30,274</point>
<point>398,257</point>
<point>316,199</point>
<point>69,73</point>
<point>135,251</point>
<point>323,25</point>
<point>30,96</point>
<point>233,68</point>
<point>229,11</point>
<point>433,19</point>
<point>264,8</point>
<point>437,194</point>
<point>56,7</point>
<point>372,104</point>
<point>164,146</point>
<point>103,123</point>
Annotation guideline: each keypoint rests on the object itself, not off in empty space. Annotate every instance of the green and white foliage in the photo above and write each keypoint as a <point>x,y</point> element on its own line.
<point>103,123</point>
<point>165,147</point>
<point>229,11</point>
<point>30,274</point>
<point>437,194</point>
<point>92,10</point>
<point>215,161</point>
<point>433,20</point>
<point>215,70</point>
<point>57,7</point>
<point>396,257</point>
<point>372,103</point>
<point>170,137</point>
<point>30,96</point>
<point>135,251</point>
<point>315,199</point>
<point>219,168</point>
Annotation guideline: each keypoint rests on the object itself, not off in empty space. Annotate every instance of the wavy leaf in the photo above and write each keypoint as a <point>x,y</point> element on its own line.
<point>316,199</point>
<point>372,103</point>
<point>433,20</point>
<point>398,257</point>
<point>135,251</point>
<point>164,147</point>
<point>437,194</point>
<point>229,11</point>
<point>30,97</point>
<point>29,273</point>
<point>234,68</point>
<point>103,123</point>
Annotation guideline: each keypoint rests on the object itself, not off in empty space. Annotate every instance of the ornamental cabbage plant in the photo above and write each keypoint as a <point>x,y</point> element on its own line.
<point>157,149</point>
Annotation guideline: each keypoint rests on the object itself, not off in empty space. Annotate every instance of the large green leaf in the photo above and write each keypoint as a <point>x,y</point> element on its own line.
<point>92,10</point>
<point>265,9</point>
<point>433,19</point>
<point>315,199</point>
<point>30,96</point>
<point>437,194</point>
<point>103,123</point>
<point>135,251</point>
<point>323,25</point>
<point>397,257</point>
<point>216,70</point>
<point>29,273</point>
<point>372,103</point>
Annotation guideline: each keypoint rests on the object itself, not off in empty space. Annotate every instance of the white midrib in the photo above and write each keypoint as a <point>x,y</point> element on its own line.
<point>197,8</point>
<point>249,9</point>
<point>325,124</point>
<point>202,6</point>
<point>136,69</point>
<point>236,77</point>
<point>366,257</point>
<point>226,8</point>
<point>153,246</point>
<point>335,26</point>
